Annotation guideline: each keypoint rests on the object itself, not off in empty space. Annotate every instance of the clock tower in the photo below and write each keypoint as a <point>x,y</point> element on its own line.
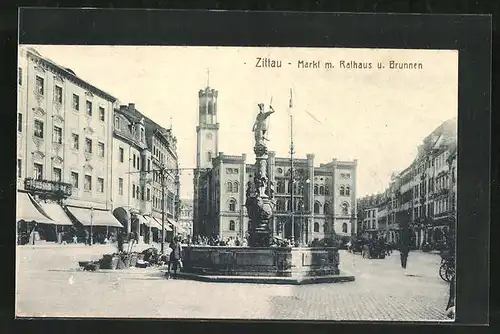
<point>207,148</point>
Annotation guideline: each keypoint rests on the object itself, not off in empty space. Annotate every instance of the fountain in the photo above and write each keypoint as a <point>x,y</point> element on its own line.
<point>261,262</point>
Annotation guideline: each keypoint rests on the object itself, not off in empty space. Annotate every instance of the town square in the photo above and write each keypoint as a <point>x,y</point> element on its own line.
<point>225,192</point>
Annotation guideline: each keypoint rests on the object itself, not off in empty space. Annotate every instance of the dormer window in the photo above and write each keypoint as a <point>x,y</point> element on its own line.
<point>117,122</point>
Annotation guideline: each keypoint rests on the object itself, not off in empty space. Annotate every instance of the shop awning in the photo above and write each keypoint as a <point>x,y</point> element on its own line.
<point>142,220</point>
<point>26,209</point>
<point>174,223</point>
<point>98,217</point>
<point>167,227</point>
<point>56,213</point>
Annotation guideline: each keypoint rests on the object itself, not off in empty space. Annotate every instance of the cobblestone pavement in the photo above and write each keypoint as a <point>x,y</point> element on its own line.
<point>49,285</point>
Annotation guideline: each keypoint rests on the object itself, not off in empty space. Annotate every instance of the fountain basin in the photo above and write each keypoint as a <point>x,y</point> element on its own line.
<point>270,265</point>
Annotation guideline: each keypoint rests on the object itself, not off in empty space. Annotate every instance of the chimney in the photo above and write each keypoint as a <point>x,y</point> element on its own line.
<point>131,107</point>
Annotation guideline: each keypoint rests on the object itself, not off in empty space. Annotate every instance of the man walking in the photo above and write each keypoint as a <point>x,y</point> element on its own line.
<point>176,255</point>
<point>404,248</point>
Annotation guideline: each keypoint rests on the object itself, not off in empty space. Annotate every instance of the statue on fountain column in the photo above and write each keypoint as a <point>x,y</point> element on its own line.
<point>259,126</point>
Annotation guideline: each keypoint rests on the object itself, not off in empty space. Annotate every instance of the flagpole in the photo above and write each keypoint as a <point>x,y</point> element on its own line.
<point>291,170</point>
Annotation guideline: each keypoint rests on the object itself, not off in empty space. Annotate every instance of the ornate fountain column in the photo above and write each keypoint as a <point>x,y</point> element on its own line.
<point>259,193</point>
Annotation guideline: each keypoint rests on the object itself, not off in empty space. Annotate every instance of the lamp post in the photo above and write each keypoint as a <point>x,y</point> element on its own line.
<point>91,225</point>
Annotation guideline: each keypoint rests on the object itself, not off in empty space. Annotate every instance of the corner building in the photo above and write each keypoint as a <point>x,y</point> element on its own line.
<point>324,196</point>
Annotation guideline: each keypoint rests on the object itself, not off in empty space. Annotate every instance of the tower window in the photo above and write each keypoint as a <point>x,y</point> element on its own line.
<point>209,156</point>
<point>232,225</point>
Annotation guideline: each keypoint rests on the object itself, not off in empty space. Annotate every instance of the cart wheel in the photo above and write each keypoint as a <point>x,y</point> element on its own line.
<point>443,272</point>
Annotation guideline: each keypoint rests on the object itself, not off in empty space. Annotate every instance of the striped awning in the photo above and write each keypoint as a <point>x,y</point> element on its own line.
<point>88,217</point>
<point>142,220</point>
<point>174,223</point>
<point>56,213</point>
<point>167,227</point>
<point>28,210</point>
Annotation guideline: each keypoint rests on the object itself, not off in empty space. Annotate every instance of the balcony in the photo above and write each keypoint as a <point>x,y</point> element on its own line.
<point>46,188</point>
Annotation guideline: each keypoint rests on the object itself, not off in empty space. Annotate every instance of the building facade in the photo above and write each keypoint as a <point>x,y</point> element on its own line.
<point>78,148</point>
<point>324,196</point>
<point>186,216</point>
<point>423,196</point>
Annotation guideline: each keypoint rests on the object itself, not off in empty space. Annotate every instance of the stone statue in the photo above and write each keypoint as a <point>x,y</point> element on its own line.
<point>259,126</point>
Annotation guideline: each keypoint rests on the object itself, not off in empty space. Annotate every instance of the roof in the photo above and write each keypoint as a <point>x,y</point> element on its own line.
<point>69,74</point>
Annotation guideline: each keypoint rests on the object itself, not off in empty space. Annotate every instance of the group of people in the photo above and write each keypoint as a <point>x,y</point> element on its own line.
<point>216,240</point>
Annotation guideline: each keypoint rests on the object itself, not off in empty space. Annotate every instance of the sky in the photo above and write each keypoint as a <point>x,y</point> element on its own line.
<point>377,116</point>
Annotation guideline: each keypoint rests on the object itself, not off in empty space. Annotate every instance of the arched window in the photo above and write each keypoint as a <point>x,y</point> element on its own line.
<point>316,207</point>
<point>327,191</point>
<point>232,225</point>
<point>229,187</point>
<point>316,227</point>
<point>342,191</point>
<point>280,188</point>
<point>347,191</point>
<point>345,208</point>
<point>315,190</point>
<point>290,183</point>
<point>321,190</point>
<point>209,156</point>
<point>280,205</point>
<point>289,205</point>
<point>232,205</point>
<point>344,228</point>
<point>235,187</point>
<point>326,209</point>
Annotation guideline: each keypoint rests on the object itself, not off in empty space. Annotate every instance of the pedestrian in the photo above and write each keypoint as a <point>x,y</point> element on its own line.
<point>175,256</point>
<point>120,242</point>
<point>404,250</point>
<point>87,238</point>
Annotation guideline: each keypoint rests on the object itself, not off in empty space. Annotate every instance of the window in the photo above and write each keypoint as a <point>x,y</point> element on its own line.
<point>325,227</point>
<point>19,122</point>
<point>209,156</point>
<point>232,205</point>
<point>88,145</point>
<point>290,186</point>
<point>19,168</point>
<point>342,191</point>
<point>88,183</point>
<point>326,209</point>
<point>344,228</point>
<point>56,174</point>
<point>38,171</point>
<point>101,149</point>
<point>345,208</point>
<point>100,185</point>
<point>289,206</point>
<point>316,207</point>
<point>58,94</point>
<point>76,102</point>
<point>143,136</point>
<point>38,129</point>
<point>321,190</point>
<point>76,141</point>
<point>74,179</point>
<point>327,191</point>
<point>57,135</point>
<point>120,153</point>
<point>117,122</point>
<point>120,186</point>
<point>315,190</point>
<point>235,187</point>
<point>142,193</point>
<point>133,160</point>
<point>316,227</point>
<point>280,205</point>
<point>229,187</point>
<point>39,85</point>
<point>149,164</point>
<point>137,192</point>
<point>280,188</point>
<point>232,225</point>
<point>101,114</point>
<point>19,76</point>
<point>149,195</point>
<point>88,108</point>
<point>133,190</point>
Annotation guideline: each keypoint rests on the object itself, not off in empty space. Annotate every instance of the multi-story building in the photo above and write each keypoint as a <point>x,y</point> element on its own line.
<point>64,138</point>
<point>324,196</point>
<point>423,196</point>
<point>155,158</point>
<point>186,216</point>
<point>84,159</point>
